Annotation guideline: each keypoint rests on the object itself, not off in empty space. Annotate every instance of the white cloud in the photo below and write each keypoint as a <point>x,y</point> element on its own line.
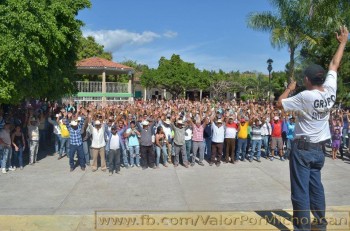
<point>115,39</point>
<point>170,34</point>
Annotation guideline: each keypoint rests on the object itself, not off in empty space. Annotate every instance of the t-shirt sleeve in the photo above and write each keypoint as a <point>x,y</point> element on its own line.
<point>293,103</point>
<point>331,82</point>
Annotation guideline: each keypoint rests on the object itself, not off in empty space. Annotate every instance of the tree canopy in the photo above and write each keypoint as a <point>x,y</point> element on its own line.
<point>39,44</point>
<point>88,48</point>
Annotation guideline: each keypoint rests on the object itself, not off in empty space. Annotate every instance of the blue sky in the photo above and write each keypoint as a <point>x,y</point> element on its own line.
<point>213,34</point>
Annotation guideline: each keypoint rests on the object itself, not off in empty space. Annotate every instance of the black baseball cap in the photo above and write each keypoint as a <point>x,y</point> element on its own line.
<point>315,72</point>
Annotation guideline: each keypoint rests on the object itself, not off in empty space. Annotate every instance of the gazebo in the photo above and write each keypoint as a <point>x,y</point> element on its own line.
<point>103,91</point>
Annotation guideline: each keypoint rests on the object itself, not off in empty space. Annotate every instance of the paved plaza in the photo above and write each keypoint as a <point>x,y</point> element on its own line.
<point>48,188</point>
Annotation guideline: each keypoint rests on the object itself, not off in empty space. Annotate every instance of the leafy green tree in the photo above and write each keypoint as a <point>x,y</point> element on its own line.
<point>175,75</point>
<point>287,26</point>
<point>88,48</point>
<point>39,41</point>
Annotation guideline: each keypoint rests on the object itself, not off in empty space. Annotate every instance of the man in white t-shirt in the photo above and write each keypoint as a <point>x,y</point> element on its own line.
<point>312,108</point>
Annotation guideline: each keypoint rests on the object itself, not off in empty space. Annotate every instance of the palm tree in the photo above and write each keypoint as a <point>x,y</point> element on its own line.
<point>287,26</point>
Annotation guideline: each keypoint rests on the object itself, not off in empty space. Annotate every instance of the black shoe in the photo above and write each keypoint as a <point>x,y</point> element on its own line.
<point>192,164</point>
<point>71,169</point>
<point>218,164</point>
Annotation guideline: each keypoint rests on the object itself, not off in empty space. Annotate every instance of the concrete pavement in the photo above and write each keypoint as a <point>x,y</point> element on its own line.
<point>48,188</point>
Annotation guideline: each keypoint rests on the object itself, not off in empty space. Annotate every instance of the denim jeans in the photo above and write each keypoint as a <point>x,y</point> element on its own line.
<point>208,148</point>
<point>124,154</point>
<point>256,144</point>
<point>182,149</point>
<point>188,148</point>
<point>42,137</point>
<point>134,152</point>
<point>4,152</point>
<point>289,147</point>
<point>306,186</point>
<point>64,144</point>
<point>241,148</point>
<point>57,142</point>
<point>17,158</point>
<point>9,159</point>
<point>86,149</point>
<point>345,133</point>
<point>265,142</point>
<point>164,152</point>
<point>81,156</point>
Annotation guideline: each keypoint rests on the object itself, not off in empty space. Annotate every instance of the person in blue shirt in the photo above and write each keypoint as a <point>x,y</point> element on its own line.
<point>289,134</point>
<point>76,142</point>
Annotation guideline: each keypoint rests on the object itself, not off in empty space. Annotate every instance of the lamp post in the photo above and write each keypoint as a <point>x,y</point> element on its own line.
<point>269,68</point>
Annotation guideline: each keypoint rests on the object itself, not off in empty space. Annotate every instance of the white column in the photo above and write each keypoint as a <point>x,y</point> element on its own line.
<point>164,94</point>
<point>145,94</point>
<point>131,98</point>
<point>200,95</point>
<point>103,87</point>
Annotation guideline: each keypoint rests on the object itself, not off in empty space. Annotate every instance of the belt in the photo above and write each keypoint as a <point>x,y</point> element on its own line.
<point>313,145</point>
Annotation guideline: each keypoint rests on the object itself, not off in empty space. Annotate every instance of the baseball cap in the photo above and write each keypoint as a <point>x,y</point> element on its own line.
<point>314,72</point>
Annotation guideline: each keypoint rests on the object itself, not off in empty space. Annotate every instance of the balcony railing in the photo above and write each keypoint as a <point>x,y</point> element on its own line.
<point>92,86</point>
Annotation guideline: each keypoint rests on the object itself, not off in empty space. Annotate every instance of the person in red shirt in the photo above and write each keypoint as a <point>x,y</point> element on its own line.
<point>276,137</point>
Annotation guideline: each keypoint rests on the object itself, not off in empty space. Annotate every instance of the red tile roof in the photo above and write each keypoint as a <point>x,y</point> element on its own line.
<point>100,62</point>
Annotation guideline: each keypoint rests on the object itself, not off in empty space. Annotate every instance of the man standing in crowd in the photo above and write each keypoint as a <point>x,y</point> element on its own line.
<point>147,153</point>
<point>33,139</point>
<point>98,145</point>
<point>179,143</point>
<point>242,140</point>
<point>230,139</point>
<point>76,142</point>
<point>311,132</point>
<point>5,146</point>
<point>276,137</point>
<point>113,147</point>
<point>198,140</point>
<point>217,142</point>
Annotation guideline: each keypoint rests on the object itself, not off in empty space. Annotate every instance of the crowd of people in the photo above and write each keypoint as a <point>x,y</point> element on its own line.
<point>148,134</point>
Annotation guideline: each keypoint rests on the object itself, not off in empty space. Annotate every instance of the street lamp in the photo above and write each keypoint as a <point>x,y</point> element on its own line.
<point>269,68</point>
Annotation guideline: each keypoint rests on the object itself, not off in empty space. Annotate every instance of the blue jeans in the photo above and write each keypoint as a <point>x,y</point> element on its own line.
<point>256,144</point>
<point>188,148</point>
<point>4,152</point>
<point>17,159</point>
<point>163,149</point>
<point>265,142</point>
<point>81,156</point>
<point>57,142</point>
<point>124,154</point>
<point>134,151</point>
<point>207,148</point>
<point>9,158</point>
<point>241,148</point>
<point>306,186</point>
<point>289,147</point>
<point>64,144</point>
<point>86,148</point>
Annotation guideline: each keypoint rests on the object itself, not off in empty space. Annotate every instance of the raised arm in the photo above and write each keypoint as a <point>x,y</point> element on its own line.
<point>342,38</point>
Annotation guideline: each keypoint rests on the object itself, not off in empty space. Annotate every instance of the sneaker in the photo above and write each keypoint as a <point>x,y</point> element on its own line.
<point>243,159</point>
<point>201,163</point>
<point>272,158</point>
<point>250,160</point>
<point>138,165</point>
<point>192,164</point>
<point>110,173</point>
<point>282,158</point>
<point>176,165</point>
<point>82,168</point>
<point>21,168</point>
<point>4,171</point>
<point>211,164</point>
<point>218,164</point>
<point>12,168</point>
<point>165,165</point>
<point>258,160</point>
<point>126,166</point>
<point>186,165</point>
<point>131,166</point>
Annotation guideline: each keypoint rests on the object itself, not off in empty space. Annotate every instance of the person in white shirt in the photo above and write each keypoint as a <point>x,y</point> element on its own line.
<point>113,147</point>
<point>188,140</point>
<point>266,130</point>
<point>98,145</point>
<point>307,158</point>
<point>33,139</point>
<point>217,142</point>
<point>5,146</point>
<point>57,132</point>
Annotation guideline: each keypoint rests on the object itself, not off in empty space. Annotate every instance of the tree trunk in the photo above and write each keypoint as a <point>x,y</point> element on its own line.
<point>291,65</point>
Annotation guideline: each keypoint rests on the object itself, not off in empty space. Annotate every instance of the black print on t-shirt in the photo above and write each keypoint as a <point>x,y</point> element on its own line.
<point>322,103</point>
<point>325,105</point>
